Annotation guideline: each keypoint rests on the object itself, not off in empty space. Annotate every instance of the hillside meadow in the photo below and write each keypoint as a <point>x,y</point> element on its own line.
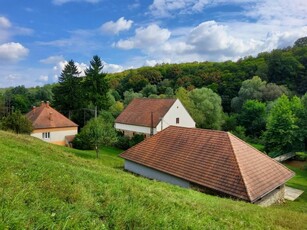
<point>43,186</point>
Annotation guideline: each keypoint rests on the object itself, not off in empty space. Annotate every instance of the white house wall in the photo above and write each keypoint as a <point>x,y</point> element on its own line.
<point>176,111</point>
<point>155,174</point>
<point>56,136</point>
<point>133,128</point>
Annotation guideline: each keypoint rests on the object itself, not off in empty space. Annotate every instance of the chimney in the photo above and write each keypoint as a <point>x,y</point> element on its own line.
<point>47,104</point>
<point>42,103</point>
<point>50,116</point>
<point>33,108</point>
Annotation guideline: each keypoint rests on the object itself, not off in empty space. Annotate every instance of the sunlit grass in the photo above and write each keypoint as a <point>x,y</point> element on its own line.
<point>43,186</point>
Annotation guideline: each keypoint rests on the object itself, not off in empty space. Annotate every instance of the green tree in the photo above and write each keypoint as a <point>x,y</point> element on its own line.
<point>116,108</point>
<point>301,42</point>
<point>281,135</point>
<point>96,133</point>
<point>252,117</point>
<point>18,98</point>
<point>17,123</point>
<point>68,92</point>
<point>302,120</point>
<point>206,108</point>
<point>96,85</point>
<point>149,89</point>
<point>130,95</point>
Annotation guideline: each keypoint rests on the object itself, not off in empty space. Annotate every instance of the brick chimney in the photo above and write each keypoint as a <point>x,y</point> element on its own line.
<point>47,104</point>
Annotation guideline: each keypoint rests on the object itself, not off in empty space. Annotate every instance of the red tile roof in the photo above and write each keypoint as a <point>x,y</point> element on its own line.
<point>138,112</point>
<point>46,117</point>
<point>214,159</point>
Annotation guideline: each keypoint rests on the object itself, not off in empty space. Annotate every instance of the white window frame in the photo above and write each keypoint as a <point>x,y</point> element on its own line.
<point>46,135</point>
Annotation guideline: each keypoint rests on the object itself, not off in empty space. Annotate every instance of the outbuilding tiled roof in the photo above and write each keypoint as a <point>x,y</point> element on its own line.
<point>213,159</point>
<point>138,112</point>
<point>45,116</point>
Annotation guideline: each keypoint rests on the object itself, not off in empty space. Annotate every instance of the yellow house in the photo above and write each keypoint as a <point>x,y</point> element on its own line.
<point>51,126</point>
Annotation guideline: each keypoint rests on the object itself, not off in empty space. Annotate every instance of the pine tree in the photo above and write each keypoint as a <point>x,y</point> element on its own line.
<point>96,84</point>
<point>68,93</point>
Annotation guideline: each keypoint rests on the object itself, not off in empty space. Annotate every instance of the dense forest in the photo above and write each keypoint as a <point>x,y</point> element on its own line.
<point>261,99</point>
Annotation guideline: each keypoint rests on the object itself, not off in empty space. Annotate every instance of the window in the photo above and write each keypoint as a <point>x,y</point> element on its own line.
<point>46,135</point>
<point>177,120</point>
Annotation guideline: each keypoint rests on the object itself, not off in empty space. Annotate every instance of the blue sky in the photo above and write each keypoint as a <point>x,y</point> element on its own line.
<point>37,37</point>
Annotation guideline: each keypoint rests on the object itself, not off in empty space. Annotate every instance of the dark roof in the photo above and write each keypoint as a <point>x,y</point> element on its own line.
<point>138,112</point>
<point>214,159</point>
<point>46,117</point>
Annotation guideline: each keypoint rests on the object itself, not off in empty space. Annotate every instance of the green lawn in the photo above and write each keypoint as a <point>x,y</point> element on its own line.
<point>43,186</point>
<point>299,181</point>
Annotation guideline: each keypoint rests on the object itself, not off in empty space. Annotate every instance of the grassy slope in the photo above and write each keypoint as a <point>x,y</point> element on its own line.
<point>46,186</point>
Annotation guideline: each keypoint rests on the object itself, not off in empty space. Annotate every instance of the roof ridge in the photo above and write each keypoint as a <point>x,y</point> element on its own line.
<point>238,165</point>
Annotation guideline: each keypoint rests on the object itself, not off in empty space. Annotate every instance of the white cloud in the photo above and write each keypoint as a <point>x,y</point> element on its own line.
<point>4,22</point>
<point>149,36</point>
<point>61,65</point>
<point>112,68</point>
<point>52,59</point>
<point>165,8</point>
<point>115,27</point>
<point>7,30</point>
<point>43,78</point>
<point>12,52</point>
<point>61,2</point>
<point>280,12</point>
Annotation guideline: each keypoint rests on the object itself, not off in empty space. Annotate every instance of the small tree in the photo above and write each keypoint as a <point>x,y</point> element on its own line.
<point>96,133</point>
<point>17,123</point>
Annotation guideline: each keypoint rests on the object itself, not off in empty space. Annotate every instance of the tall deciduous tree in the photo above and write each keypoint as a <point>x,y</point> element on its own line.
<point>281,132</point>
<point>252,117</point>
<point>96,84</point>
<point>206,108</point>
<point>67,94</point>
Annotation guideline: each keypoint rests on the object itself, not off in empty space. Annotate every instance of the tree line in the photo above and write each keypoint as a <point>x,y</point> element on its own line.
<point>242,97</point>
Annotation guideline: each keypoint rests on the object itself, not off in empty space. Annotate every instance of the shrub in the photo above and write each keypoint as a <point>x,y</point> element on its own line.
<point>301,156</point>
<point>124,142</point>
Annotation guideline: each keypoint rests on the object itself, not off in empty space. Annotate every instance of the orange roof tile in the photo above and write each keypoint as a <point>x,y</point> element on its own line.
<point>47,117</point>
<point>138,112</point>
<point>214,159</point>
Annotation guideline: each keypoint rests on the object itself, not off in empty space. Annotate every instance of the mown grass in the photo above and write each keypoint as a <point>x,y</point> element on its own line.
<point>299,181</point>
<point>43,186</point>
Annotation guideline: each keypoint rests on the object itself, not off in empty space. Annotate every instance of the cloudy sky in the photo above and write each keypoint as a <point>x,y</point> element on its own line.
<point>37,37</point>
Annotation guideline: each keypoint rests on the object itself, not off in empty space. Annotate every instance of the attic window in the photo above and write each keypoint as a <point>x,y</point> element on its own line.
<point>46,135</point>
<point>177,120</point>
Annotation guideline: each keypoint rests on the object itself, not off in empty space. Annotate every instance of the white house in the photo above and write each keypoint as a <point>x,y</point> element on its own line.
<point>149,116</point>
<point>51,126</point>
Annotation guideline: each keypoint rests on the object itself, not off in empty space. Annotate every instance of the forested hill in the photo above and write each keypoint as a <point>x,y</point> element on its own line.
<point>261,99</point>
<point>286,67</point>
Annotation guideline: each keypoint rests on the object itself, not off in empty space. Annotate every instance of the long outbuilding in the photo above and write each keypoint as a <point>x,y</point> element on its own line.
<point>211,161</point>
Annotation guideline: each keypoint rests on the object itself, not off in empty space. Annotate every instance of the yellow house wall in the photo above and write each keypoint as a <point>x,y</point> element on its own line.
<point>57,135</point>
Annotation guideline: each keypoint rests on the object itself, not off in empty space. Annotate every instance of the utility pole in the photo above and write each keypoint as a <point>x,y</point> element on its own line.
<point>151,124</point>
<point>161,120</point>
<point>96,111</point>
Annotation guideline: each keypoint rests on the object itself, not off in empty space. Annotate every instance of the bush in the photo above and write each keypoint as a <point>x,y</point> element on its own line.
<point>301,156</point>
<point>124,142</point>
